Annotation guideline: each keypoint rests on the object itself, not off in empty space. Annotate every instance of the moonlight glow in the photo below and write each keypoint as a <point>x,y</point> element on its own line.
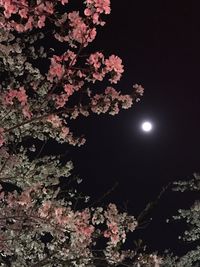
<point>146,126</point>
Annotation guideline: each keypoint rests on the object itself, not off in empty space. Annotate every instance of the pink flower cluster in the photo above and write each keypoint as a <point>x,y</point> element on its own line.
<point>57,68</point>
<point>96,61</point>
<point>115,221</point>
<point>59,125</point>
<point>95,8</point>
<point>33,16</point>
<point>80,32</point>
<point>82,222</point>
<point>21,96</point>
<point>39,209</point>
<point>139,91</point>
<point>80,29</point>
<point>101,67</point>
<point>55,121</point>
<point>69,74</point>
<point>114,65</point>
<point>60,100</point>
<point>110,102</point>
<point>25,199</point>
<point>12,7</point>
<point>76,223</point>
<point>62,71</point>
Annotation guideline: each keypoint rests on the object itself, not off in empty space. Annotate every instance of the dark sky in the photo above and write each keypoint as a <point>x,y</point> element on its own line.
<point>158,42</point>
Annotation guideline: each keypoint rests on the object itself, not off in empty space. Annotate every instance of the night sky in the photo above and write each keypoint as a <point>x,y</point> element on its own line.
<point>158,42</point>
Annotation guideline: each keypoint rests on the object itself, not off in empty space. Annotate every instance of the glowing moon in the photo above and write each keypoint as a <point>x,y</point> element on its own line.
<point>146,126</point>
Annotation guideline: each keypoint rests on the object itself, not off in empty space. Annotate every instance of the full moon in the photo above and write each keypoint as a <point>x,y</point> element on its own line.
<point>146,126</point>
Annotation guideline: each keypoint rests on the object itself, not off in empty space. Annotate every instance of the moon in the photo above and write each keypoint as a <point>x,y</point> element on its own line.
<point>147,126</point>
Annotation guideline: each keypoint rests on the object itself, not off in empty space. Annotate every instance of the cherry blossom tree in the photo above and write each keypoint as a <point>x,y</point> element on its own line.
<point>191,218</point>
<point>42,89</point>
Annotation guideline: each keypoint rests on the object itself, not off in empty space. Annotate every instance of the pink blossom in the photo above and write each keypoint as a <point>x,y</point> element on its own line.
<point>95,8</point>
<point>55,121</point>
<point>21,96</point>
<point>25,198</point>
<point>91,34</point>
<point>102,6</point>
<point>95,18</point>
<point>114,63</point>
<point>38,208</point>
<point>98,76</point>
<point>56,69</point>
<point>112,92</point>
<point>58,214</point>
<point>139,89</point>
<point>64,132</point>
<point>36,19</point>
<point>9,96</point>
<point>18,27</point>
<point>127,101</point>
<point>29,23</point>
<point>75,113</point>
<point>115,239</point>
<point>61,100</point>
<point>63,2</point>
<point>113,227</point>
<point>69,89</point>
<point>106,234</point>
<point>44,210</point>
<point>41,21</point>
<point>96,60</point>
<point>26,112</point>
<point>80,32</point>
<point>81,141</point>
<point>100,104</point>
<point>69,56</point>
<point>9,7</point>
<point>86,231</point>
<point>49,8</point>
<point>23,13</point>
<point>88,12</point>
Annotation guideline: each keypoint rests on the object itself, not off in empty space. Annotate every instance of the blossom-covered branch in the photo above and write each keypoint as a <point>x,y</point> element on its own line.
<point>46,81</point>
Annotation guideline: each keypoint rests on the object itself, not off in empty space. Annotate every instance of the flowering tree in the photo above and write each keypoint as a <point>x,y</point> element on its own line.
<point>191,217</point>
<point>42,89</point>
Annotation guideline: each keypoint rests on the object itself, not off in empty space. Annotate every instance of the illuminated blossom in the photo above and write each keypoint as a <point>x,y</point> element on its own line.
<point>44,210</point>
<point>56,69</point>
<point>55,121</point>
<point>60,100</point>
<point>95,8</point>
<point>36,106</point>
<point>69,89</point>
<point>114,65</point>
